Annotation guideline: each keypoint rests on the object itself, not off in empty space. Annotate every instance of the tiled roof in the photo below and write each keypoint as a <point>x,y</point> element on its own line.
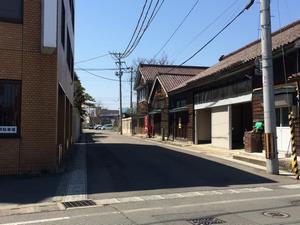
<point>171,81</point>
<point>150,71</point>
<point>280,38</point>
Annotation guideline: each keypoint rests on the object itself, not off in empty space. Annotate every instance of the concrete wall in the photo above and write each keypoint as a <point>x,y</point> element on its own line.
<point>76,125</point>
<point>127,126</point>
<point>204,125</point>
<point>220,128</point>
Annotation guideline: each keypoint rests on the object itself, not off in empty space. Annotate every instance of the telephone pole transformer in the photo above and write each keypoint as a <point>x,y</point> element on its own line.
<point>272,163</point>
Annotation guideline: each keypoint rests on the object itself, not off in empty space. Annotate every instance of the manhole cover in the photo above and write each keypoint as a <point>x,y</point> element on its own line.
<point>75,204</point>
<point>208,220</point>
<point>276,214</point>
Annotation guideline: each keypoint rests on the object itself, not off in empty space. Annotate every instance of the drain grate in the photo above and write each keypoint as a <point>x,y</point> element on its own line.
<point>276,214</point>
<point>208,220</point>
<point>82,203</point>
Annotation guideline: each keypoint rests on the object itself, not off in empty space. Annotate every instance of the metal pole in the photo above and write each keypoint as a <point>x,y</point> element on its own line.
<point>120,91</point>
<point>268,95</point>
<point>131,77</point>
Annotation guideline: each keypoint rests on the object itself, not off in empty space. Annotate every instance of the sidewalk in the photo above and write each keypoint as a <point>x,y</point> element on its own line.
<point>256,160</point>
<point>43,193</point>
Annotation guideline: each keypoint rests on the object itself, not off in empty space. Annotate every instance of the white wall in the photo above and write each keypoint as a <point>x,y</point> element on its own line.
<point>49,26</point>
<point>221,127</point>
<point>76,125</point>
<point>127,126</point>
<point>204,124</point>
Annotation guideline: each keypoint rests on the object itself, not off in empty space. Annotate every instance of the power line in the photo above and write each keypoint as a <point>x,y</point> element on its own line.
<point>178,27</point>
<point>137,25</point>
<point>91,59</point>
<point>148,24</point>
<point>217,34</point>
<point>155,10</point>
<point>208,26</point>
<point>100,69</point>
<point>127,50</point>
<point>100,76</point>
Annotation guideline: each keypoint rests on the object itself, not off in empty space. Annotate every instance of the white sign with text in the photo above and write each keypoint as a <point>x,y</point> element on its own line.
<point>8,129</point>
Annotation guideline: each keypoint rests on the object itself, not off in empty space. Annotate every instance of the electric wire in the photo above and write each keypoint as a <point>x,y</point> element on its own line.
<point>218,33</point>
<point>91,59</point>
<point>99,76</point>
<point>154,13</point>
<point>128,49</point>
<point>177,28</point>
<point>137,25</point>
<point>207,27</point>
<point>100,69</point>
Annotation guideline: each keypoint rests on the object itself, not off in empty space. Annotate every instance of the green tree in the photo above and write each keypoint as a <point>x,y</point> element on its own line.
<point>81,97</point>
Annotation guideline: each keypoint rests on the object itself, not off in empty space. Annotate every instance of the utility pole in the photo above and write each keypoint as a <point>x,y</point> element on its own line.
<point>272,163</point>
<point>131,77</point>
<point>118,57</point>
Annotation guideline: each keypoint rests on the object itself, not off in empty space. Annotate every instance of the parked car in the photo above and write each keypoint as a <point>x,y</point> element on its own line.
<point>97,127</point>
<point>107,127</point>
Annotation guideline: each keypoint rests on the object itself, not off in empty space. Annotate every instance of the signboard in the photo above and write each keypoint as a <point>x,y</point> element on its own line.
<point>8,129</point>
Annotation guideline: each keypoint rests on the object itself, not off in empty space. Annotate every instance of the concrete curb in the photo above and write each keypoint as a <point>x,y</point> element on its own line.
<point>28,209</point>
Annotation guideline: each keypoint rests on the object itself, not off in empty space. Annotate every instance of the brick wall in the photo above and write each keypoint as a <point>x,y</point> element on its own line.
<point>21,59</point>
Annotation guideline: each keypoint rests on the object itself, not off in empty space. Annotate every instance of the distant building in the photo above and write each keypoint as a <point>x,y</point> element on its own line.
<point>107,116</point>
<point>36,84</point>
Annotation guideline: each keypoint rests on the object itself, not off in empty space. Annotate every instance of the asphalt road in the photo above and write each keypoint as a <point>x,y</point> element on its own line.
<point>120,165</point>
<point>136,182</point>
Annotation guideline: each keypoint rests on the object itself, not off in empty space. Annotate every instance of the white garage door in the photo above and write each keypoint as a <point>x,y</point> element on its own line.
<point>220,127</point>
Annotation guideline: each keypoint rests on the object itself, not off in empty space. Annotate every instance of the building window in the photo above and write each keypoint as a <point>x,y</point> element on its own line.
<point>11,11</point>
<point>72,12</point>
<point>70,57</point>
<point>141,94</point>
<point>63,24</point>
<point>282,117</point>
<point>10,108</point>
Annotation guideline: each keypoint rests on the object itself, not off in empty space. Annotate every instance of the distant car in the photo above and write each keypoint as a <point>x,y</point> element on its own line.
<point>107,127</point>
<point>91,126</point>
<point>98,127</point>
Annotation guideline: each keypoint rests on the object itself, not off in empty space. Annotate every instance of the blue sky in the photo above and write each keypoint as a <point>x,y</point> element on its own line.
<point>106,26</point>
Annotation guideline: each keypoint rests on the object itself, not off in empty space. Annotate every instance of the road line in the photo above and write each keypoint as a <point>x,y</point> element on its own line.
<point>38,221</point>
<point>214,203</point>
<point>156,208</point>
<point>180,195</point>
<point>291,186</point>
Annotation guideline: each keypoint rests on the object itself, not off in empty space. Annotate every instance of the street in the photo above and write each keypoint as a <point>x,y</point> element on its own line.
<point>137,181</point>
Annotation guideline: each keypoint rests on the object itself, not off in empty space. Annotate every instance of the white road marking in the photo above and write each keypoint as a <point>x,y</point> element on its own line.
<point>38,221</point>
<point>172,196</point>
<point>130,199</point>
<point>180,195</point>
<point>233,201</point>
<point>107,201</point>
<point>291,186</point>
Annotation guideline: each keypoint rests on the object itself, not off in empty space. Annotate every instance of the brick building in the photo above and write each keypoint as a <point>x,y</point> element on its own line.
<point>36,84</point>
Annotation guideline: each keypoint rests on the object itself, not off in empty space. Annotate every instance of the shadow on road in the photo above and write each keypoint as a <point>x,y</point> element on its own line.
<point>26,190</point>
<point>131,167</point>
